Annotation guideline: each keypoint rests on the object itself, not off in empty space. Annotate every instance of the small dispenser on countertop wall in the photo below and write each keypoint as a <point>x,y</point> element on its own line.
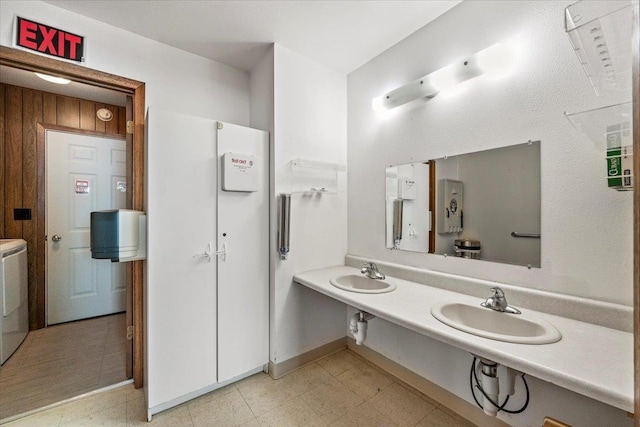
<point>119,235</point>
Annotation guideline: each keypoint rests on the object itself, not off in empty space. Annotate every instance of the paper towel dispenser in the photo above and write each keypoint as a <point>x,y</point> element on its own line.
<point>119,235</point>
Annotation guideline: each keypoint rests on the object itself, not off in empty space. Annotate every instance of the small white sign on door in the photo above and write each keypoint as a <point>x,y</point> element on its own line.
<point>239,172</point>
<point>82,186</point>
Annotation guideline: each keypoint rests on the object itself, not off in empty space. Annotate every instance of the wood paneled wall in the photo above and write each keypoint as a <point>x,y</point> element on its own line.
<point>21,110</point>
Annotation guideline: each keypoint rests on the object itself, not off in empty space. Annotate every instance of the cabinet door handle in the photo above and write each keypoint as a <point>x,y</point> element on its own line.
<point>222,252</point>
<point>206,254</point>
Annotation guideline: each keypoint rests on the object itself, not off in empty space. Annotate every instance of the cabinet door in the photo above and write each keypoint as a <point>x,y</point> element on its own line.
<point>243,230</point>
<point>181,288</point>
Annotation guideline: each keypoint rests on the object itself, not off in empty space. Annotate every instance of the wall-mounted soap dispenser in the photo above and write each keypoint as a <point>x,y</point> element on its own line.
<point>119,235</point>
<point>449,217</point>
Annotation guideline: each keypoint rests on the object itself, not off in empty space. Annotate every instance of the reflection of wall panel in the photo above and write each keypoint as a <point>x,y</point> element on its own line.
<point>415,207</point>
<point>20,111</point>
<point>502,194</point>
<point>446,169</point>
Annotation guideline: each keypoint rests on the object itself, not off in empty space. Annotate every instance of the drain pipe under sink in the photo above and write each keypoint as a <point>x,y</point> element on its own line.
<point>358,326</point>
<point>487,371</point>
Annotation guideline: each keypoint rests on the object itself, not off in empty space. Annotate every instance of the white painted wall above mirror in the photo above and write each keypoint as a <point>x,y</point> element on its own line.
<point>483,205</point>
<point>586,244</point>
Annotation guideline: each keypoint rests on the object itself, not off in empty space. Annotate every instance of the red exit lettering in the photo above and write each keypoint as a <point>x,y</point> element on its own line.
<point>49,40</point>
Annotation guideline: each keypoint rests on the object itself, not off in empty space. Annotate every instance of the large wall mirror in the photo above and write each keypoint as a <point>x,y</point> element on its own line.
<point>483,205</point>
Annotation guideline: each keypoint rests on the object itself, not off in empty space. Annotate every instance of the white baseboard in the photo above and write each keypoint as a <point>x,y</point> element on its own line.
<point>283,368</point>
<point>451,403</point>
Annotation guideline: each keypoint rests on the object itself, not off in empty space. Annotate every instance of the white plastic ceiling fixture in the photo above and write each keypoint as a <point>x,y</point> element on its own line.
<point>53,79</point>
<point>104,114</point>
<point>342,35</point>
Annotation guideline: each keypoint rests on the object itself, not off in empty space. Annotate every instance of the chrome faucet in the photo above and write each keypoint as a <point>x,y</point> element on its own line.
<point>371,271</point>
<point>498,302</point>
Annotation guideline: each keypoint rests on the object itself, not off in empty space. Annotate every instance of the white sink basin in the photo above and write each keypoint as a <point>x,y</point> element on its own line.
<point>487,323</point>
<point>363,284</point>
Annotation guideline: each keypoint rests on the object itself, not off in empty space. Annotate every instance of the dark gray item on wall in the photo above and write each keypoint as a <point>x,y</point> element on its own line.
<point>119,235</point>
<point>284,213</point>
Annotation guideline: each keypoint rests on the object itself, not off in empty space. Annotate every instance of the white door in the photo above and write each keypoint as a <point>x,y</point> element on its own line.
<point>243,272</point>
<point>181,290</point>
<point>84,174</point>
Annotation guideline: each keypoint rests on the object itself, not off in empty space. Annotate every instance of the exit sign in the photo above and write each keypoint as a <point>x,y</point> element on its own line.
<point>49,40</point>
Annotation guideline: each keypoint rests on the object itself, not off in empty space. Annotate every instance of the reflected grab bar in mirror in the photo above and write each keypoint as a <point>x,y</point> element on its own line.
<point>529,235</point>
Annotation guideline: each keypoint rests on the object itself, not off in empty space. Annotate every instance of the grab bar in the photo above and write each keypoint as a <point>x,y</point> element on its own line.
<point>529,235</point>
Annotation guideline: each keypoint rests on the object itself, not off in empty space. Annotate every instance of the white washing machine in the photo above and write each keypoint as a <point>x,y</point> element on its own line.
<point>14,310</point>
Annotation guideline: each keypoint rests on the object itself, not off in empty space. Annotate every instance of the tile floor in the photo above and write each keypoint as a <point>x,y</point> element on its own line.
<point>341,389</point>
<point>63,361</point>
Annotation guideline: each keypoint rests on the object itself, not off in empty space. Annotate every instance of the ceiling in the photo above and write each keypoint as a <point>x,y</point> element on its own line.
<point>342,35</point>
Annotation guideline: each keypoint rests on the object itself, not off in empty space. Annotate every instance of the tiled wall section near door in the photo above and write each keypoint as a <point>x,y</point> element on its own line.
<point>20,112</point>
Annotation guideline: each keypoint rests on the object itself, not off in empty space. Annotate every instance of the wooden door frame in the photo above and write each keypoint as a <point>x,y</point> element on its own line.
<point>635,51</point>
<point>432,206</point>
<point>28,61</point>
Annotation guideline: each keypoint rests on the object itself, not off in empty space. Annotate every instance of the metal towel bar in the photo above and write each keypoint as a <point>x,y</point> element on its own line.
<point>529,235</point>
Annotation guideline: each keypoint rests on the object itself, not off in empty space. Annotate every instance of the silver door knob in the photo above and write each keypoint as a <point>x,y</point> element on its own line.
<point>56,238</point>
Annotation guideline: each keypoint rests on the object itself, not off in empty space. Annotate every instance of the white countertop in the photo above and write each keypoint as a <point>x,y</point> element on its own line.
<point>589,359</point>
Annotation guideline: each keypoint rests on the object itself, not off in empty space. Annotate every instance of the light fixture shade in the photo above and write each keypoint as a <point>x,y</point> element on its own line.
<point>496,61</point>
<point>417,89</point>
<point>53,79</point>
<point>444,78</point>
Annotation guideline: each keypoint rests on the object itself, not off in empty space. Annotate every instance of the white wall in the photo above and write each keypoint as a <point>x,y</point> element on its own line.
<point>262,96</point>
<point>311,124</point>
<point>445,169</point>
<point>586,238</point>
<point>262,117</point>
<point>578,210</point>
<point>175,80</point>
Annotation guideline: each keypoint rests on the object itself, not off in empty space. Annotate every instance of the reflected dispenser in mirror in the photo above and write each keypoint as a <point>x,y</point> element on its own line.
<point>119,235</point>
<point>450,202</point>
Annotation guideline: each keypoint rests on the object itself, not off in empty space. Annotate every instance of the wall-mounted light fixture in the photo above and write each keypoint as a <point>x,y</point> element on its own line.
<point>495,62</point>
<point>53,79</point>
